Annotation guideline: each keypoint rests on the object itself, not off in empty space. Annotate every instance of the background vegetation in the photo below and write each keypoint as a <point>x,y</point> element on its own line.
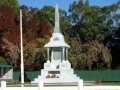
<point>93,33</point>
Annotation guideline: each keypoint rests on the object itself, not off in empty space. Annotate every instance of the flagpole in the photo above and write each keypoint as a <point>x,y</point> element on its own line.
<point>21,42</point>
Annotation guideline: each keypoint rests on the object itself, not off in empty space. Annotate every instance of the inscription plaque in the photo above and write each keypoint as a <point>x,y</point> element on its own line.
<point>56,54</point>
<point>53,72</point>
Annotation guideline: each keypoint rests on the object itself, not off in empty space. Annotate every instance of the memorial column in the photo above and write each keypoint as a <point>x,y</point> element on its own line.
<point>63,53</point>
<point>66,53</point>
<point>48,53</point>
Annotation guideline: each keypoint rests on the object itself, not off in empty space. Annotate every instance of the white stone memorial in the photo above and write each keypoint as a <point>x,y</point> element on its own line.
<point>57,69</point>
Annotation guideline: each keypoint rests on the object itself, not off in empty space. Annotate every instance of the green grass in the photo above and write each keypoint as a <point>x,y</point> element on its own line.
<point>18,85</point>
<point>111,83</point>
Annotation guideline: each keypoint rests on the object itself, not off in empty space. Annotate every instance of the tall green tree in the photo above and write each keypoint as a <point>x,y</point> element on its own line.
<point>91,22</point>
<point>48,13</point>
<point>113,41</point>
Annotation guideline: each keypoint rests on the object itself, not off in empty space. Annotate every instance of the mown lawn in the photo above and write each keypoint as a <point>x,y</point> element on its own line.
<point>111,83</point>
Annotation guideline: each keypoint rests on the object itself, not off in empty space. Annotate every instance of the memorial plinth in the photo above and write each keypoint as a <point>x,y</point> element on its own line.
<point>57,69</point>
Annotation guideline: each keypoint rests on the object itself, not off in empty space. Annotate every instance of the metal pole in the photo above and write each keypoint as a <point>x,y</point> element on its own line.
<point>21,41</point>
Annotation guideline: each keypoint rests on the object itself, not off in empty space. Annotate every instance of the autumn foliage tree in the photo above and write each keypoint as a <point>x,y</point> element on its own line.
<point>9,30</point>
<point>10,36</point>
<point>44,29</point>
<point>89,56</point>
<point>32,32</point>
<point>8,21</point>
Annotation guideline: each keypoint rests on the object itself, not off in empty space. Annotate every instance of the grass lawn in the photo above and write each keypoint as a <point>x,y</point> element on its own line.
<point>111,83</point>
<point>37,85</point>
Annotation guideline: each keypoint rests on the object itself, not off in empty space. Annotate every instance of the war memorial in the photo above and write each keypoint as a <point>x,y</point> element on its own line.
<point>57,69</point>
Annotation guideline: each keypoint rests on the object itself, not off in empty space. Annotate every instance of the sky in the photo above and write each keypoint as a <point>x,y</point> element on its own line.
<point>63,4</point>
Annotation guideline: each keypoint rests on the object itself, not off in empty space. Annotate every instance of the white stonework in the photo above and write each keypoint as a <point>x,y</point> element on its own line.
<point>59,65</point>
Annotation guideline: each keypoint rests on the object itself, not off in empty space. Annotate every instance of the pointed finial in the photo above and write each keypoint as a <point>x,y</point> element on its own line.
<point>56,28</point>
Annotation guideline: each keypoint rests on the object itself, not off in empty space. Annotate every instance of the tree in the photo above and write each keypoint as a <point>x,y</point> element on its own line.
<point>44,29</point>
<point>87,2</point>
<point>65,25</point>
<point>113,41</point>
<point>12,53</point>
<point>9,24</point>
<point>10,36</point>
<point>48,13</point>
<point>9,31</point>
<point>91,22</point>
<point>29,23</point>
<point>89,56</point>
<point>12,3</point>
<point>31,27</point>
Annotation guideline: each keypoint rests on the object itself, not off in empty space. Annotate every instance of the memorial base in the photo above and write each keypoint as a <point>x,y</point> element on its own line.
<point>57,76</point>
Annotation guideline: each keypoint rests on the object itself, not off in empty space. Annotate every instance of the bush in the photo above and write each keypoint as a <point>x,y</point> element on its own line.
<point>2,60</point>
<point>98,80</point>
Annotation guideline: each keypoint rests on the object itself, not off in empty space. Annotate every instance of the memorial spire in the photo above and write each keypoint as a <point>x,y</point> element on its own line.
<point>56,28</point>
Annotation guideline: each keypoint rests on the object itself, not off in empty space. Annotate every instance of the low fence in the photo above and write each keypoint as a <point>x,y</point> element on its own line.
<point>79,87</point>
<point>66,88</point>
<point>112,75</point>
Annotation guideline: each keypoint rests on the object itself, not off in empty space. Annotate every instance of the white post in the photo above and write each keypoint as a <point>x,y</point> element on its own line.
<point>21,41</point>
<point>40,85</point>
<point>80,84</point>
<point>3,85</point>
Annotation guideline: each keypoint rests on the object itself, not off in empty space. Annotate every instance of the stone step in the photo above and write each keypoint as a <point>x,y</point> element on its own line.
<point>56,80</point>
<point>63,78</point>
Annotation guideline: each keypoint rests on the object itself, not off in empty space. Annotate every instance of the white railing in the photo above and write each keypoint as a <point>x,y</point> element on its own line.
<point>79,87</point>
